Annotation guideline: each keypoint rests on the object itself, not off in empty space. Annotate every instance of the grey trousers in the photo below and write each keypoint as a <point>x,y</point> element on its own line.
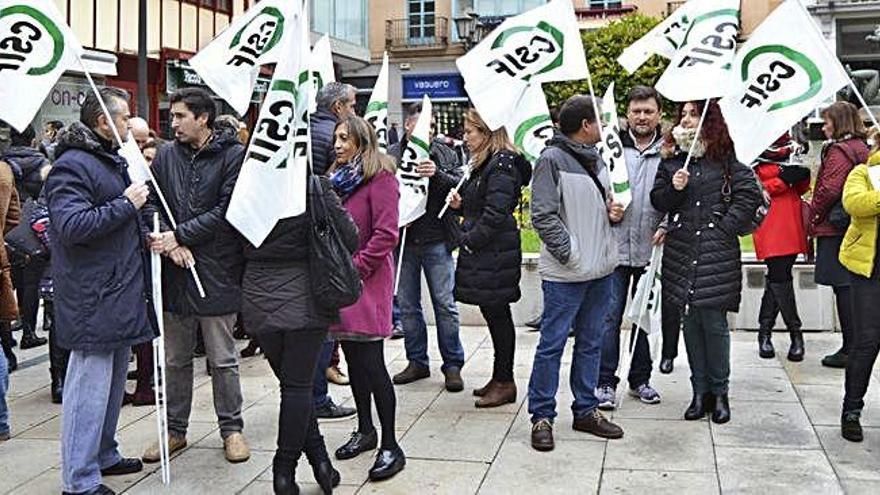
<point>180,341</point>
<point>93,390</point>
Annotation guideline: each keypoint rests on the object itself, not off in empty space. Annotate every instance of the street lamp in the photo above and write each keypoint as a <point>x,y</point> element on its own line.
<point>467,26</point>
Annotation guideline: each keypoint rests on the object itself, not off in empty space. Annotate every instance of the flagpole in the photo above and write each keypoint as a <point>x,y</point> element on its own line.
<point>833,55</point>
<point>400,259</point>
<point>593,97</point>
<point>159,388</point>
<point>455,189</point>
<point>687,160</point>
<point>118,138</point>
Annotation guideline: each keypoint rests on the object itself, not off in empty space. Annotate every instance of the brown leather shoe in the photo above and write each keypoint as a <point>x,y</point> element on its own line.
<point>335,376</point>
<point>542,435</point>
<point>175,443</point>
<point>453,380</point>
<point>411,373</point>
<point>236,448</point>
<point>502,393</point>
<point>595,423</point>
<point>479,392</point>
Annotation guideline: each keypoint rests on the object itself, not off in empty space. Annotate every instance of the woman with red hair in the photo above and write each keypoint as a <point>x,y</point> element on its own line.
<point>708,204</point>
<point>778,242</point>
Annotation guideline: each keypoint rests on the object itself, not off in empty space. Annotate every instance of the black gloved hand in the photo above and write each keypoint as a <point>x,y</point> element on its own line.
<point>793,174</point>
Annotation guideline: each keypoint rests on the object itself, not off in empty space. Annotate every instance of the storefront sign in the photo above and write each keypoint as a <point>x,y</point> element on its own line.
<point>436,86</point>
<point>181,76</point>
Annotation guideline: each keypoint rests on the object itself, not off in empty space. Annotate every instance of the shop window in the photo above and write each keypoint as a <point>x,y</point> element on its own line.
<point>858,40</point>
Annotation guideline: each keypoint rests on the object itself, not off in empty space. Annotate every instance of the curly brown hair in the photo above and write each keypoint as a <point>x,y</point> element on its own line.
<point>714,133</point>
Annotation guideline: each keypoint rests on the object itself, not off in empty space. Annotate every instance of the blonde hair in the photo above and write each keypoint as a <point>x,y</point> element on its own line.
<point>875,137</point>
<point>496,141</point>
<point>368,146</point>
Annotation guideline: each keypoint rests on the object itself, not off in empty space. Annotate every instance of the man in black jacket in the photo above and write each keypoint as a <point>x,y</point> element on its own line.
<point>428,247</point>
<point>335,101</point>
<point>197,174</point>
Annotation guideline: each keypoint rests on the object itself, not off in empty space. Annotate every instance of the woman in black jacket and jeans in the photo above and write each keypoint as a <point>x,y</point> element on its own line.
<point>490,254</point>
<point>290,325</point>
<point>708,204</point>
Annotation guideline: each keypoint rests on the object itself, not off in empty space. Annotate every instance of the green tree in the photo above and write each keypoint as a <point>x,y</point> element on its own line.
<point>602,47</point>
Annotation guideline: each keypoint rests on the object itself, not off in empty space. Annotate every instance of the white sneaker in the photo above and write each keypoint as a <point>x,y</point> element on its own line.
<point>607,396</point>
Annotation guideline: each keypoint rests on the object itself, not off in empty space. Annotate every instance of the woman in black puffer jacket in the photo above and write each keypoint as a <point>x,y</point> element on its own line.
<point>490,254</point>
<point>708,204</point>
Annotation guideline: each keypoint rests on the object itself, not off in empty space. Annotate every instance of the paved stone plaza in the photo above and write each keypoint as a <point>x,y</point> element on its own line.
<point>784,436</point>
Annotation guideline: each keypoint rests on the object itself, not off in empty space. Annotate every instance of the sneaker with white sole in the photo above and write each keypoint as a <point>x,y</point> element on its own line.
<point>645,393</point>
<point>607,397</point>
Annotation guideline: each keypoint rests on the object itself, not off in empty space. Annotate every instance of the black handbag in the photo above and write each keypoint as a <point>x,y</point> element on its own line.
<point>22,243</point>
<point>335,281</point>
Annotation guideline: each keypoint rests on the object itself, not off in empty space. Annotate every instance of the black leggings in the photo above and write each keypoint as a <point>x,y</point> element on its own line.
<point>369,377</point>
<point>501,328</point>
<point>779,268</point>
<point>293,356</point>
<point>671,325</point>
<point>843,295</point>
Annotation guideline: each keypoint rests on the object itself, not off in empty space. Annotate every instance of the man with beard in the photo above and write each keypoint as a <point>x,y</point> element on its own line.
<point>636,235</point>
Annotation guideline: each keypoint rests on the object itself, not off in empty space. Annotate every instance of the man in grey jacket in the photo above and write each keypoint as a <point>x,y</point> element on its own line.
<point>636,236</point>
<point>572,211</point>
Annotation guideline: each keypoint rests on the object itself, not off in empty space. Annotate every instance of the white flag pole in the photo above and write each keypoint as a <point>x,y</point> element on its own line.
<point>687,160</point>
<point>112,126</point>
<point>159,363</point>
<point>400,259</point>
<point>595,104</point>
<point>455,189</point>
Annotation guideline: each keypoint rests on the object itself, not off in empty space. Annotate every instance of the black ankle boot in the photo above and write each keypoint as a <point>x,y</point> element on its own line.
<point>283,478</point>
<point>326,476</point>
<point>765,345</point>
<point>29,338</point>
<point>721,414</point>
<point>766,321</point>
<point>697,409</point>
<point>784,294</point>
<point>796,351</point>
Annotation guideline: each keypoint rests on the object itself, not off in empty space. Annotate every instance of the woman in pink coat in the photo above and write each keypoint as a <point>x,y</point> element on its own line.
<point>365,181</point>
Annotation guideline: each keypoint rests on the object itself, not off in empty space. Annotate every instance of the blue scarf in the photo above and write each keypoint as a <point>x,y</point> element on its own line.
<point>347,178</point>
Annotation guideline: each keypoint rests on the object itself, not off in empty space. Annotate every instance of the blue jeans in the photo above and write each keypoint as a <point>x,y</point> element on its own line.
<point>321,392</point>
<point>4,386</point>
<point>439,269</point>
<point>623,278</point>
<point>93,392</point>
<point>583,307</point>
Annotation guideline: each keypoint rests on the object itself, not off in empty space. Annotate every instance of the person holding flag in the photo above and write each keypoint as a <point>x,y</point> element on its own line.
<point>636,235</point>
<point>364,179</point>
<point>429,245</point>
<point>490,255</point>
<point>101,302</point>
<point>702,274</point>
<point>198,173</point>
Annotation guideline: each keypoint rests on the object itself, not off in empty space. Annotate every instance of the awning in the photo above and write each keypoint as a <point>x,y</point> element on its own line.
<point>98,63</point>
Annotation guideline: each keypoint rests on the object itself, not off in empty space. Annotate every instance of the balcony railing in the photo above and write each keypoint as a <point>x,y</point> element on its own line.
<point>585,13</point>
<point>400,34</point>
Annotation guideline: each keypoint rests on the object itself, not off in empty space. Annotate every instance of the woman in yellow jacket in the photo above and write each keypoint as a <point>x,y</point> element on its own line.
<point>860,254</point>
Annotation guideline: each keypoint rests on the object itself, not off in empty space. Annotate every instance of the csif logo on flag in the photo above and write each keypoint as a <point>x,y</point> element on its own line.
<point>273,130</point>
<point>377,116</point>
<point>406,171</point>
<point>526,51</point>
<point>256,37</point>
<point>34,45</point>
<point>778,76</point>
<point>714,43</point>
<point>538,130</point>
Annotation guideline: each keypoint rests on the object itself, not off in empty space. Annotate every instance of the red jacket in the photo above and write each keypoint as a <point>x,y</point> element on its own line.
<point>835,168</point>
<point>782,232</point>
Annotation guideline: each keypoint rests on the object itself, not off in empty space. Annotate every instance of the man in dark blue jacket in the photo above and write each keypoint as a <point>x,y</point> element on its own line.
<point>335,101</point>
<point>100,268</point>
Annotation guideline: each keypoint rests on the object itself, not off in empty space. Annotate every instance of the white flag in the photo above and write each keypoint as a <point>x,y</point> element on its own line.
<point>322,69</point>
<point>36,47</point>
<point>783,72</point>
<point>667,37</point>
<point>268,187</point>
<point>229,65</point>
<point>541,45</point>
<point>702,61</point>
<point>138,170</point>
<point>377,108</point>
<point>612,150</point>
<point>531,127</point>
<point>413,187</point>
<point>645,309</point>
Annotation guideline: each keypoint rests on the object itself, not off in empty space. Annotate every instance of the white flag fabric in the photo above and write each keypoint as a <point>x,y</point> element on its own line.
<point>531,127</point>
<point>783,72</point>
<point>322,69</point>
<point>645,309</point>
<point>268,188</point>
<point>377,108</point>
<point>36,47</point>
<point>612,150</point>
<point>541,45</point>
<point>701,63</point>
<point>138,170</point>
<point>413,187</point>
<point>229,65</point>
<point>668,36</point>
